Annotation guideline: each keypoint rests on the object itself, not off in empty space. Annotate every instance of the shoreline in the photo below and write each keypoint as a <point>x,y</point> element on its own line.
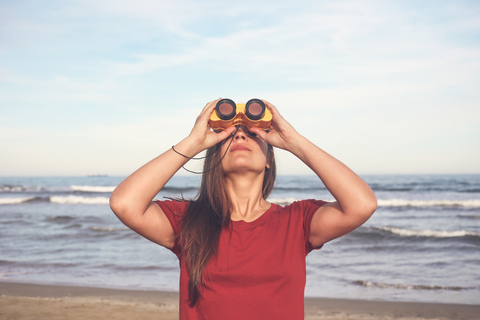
<point>40,301</point>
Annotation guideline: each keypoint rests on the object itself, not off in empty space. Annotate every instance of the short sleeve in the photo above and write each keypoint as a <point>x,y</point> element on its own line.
<point>308,208</point>
<point>174,211</point>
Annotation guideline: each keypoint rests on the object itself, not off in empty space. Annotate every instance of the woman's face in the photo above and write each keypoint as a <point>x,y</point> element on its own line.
<point>246,153</point>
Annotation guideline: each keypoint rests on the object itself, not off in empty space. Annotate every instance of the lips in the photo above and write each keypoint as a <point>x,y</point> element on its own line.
<point>239,147</point>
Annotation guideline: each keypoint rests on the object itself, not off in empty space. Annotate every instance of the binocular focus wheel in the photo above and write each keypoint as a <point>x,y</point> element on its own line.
<point>226,109</point>
<point>255,109</point>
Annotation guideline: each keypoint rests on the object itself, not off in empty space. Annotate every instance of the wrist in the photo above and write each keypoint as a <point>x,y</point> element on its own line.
<point>188,147</point>
<point>294,141</point>
<point>299,145</point>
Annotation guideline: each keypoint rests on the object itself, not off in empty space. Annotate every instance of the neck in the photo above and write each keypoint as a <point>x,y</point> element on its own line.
<point>245,193</point>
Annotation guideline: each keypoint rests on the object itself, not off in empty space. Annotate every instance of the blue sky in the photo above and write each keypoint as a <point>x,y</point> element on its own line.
<point>104,86</point>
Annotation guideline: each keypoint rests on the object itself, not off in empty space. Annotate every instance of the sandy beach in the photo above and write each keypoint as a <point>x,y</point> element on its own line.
<point>33,301</point>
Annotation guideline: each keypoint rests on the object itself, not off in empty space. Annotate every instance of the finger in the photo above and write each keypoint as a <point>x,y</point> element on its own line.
<point>222,135</point>
<point>278,120</point>
<point>270,107</point>
<point>260,133</point>
<point>208,109</point>
<point>275,114</point>
<point>204,117</point>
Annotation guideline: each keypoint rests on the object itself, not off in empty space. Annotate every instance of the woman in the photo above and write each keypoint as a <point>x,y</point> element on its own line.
<point>242,257</point>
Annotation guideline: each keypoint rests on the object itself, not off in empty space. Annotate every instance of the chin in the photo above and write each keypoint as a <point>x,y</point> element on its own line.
<point>242,169</point>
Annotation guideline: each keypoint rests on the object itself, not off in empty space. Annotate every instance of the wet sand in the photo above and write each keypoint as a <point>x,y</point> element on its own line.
<point>33,301</point>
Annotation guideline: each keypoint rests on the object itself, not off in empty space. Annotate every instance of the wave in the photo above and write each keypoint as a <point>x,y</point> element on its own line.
<point>56,199</point>
<point>428,203</point>
<point>408,287</point>
<point>79,200</point>
<point>429,233</point>
<point>8,188</point>
<point>423,188</point>
<point>282,201</point>
<point>304,188</point>
<point>141,268</point>
<point>179,189</point>
<point>93,188</point>
<point>87,188</point>
<point>109,229</point>
<point>473,216</point>
<point>401,202</point>
<point>73,199</point>
<point>61,219</point>
<point>11,188</point>
<point>17,200</point>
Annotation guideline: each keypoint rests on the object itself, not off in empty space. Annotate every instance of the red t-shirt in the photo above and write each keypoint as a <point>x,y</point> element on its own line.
<point>259,271</point>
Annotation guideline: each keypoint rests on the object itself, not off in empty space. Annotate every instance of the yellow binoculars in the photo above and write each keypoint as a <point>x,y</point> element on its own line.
<point>251,114</point>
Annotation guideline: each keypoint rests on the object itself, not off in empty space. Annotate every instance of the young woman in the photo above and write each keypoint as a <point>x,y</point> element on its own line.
<point>242,257</point>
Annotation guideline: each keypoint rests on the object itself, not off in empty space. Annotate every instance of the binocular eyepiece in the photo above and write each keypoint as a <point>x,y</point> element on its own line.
<point>226,109</point>
<point>252,114</point>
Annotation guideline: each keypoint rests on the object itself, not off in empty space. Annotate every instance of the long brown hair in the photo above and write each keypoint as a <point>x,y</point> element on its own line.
<point>208,214</point>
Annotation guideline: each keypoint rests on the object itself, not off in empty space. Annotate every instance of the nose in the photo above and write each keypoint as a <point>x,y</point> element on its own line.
<point>240,134</point>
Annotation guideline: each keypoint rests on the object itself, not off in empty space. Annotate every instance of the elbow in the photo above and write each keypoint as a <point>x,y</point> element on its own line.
<point>122,211</point>
<point>363,208</point>
<point>126,211</point>
<point>369,206</point>
<point>118,205</point>
<point>119,202</point>
<point>115,204</point>
<point>373,206</point>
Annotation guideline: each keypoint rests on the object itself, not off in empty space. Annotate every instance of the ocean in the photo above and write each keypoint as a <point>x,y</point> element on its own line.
<point>422,244</point>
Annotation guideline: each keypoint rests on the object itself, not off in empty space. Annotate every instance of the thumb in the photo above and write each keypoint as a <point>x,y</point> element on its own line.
<point>225,133</point>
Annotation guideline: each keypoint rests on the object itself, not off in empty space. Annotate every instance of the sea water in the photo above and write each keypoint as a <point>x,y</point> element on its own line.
<point>422,243</point>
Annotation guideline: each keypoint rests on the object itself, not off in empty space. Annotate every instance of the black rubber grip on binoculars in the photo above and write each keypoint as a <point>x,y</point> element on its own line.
<point>225,116</point>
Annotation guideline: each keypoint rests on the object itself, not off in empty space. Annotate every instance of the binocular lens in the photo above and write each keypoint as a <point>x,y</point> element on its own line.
<point>255,109</point>
<point>226,109</point>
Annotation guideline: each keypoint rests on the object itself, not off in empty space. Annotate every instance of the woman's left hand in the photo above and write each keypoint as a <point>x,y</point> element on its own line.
<point>281,135</point>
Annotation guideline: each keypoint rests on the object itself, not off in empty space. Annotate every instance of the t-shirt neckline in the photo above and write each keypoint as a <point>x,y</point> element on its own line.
<point>256,222</point>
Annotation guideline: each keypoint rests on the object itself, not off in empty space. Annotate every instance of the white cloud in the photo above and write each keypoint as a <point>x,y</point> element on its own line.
<point>151,62</point>
<point>171,16</point>
<point>332,41</point>
<point>390,79</point>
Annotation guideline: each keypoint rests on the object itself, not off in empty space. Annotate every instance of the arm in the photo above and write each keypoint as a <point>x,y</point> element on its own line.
<point>355,201</point>
<point>132,202</point>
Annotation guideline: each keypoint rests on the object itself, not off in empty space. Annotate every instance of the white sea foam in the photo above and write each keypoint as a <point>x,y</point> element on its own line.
<point>428,203</point>
<point>407,286</point>
<point>8,274</point>
<point>430,233</point>
<point>402,202</point>
<point>93,188</point>
<point>15,200</point>
<point>4,188</point>
<point>79,200</point>
<point>282,201</point>
<point>286,201</point>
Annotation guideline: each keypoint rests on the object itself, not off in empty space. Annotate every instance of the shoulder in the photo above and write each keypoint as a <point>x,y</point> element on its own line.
<point>173,206</point>
<point>304,206</point>
<point>302,210</point>
<point>174,210</point>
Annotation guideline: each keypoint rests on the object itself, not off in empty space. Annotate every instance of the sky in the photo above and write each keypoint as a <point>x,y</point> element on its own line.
<point>387,87</point>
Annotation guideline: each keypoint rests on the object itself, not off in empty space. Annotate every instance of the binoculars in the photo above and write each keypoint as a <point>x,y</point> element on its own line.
<point>252,114</point>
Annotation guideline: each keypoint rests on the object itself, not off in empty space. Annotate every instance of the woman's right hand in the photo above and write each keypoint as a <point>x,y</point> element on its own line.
<point>132,199</point>
<point>201,134</point>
